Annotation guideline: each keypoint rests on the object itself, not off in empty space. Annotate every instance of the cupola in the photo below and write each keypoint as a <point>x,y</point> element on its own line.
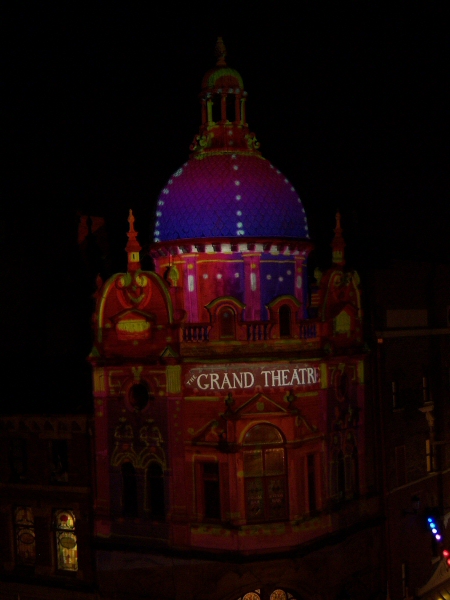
<point>227,189</point>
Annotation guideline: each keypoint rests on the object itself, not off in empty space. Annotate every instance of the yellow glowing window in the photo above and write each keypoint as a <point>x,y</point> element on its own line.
<point>25,537</point>
<point>66,541</point>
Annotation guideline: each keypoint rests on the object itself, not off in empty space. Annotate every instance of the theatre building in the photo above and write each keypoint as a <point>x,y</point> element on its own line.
<point>233,434</point>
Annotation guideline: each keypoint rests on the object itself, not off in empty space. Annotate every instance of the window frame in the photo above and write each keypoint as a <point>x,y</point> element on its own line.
<point>201,489</point>
<point>265,478</point>
<point>70,533</point>
<point>27,526</point>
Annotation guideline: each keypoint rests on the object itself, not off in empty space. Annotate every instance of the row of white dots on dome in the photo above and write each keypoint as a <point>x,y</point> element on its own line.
<point>165,192</point>
<point>240,221</point>
<point>305,224</point>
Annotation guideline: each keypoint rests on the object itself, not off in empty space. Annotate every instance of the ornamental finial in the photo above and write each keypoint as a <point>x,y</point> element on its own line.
<point>133,247</point>
<point>338,243</point>
<point>220,52</point>
<point>131,222</point>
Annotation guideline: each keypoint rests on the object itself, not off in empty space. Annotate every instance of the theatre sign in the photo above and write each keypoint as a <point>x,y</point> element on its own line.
<point>248,376</point>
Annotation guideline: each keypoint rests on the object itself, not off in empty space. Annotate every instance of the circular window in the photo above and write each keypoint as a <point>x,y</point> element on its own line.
<point>139,396</point>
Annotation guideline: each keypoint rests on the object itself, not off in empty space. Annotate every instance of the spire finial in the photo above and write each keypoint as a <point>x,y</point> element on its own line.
<point>220,52</point>
<point>133,247</point>
<point>338,243</point>
<point>131,222</point>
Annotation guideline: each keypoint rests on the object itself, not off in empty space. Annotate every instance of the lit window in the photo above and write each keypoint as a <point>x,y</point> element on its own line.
<point>265,474</point>
<point>66,541</point>
<point>25,537</point>
<point>277,594</point>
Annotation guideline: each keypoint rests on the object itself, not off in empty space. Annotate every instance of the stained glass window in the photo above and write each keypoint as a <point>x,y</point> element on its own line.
<point>252,596</point>
<point>266,594</point>
<point>66,541</point>
<point>278,595</point>
<point>263,433</point>
<point>25,536</point>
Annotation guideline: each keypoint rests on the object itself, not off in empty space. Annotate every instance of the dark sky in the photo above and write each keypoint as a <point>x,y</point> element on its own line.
<point>100,106</point>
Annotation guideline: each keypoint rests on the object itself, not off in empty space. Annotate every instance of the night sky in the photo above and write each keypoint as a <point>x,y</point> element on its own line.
<point>100,107</point>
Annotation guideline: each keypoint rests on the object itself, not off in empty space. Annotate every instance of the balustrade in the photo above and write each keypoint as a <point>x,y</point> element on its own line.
<point>196,332</point>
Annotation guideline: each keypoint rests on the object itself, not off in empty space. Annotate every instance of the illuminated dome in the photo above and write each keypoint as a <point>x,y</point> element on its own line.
<point>227,189</point>
<point>229,195</point>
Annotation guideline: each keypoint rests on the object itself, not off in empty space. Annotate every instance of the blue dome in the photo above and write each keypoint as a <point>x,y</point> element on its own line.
<point>229,195</point>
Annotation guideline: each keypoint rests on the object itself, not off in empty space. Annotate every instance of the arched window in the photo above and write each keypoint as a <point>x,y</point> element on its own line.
<point>25,536</point>
<point>66,540</point>
<point>129,491</point>
<point>155,491</point>
<point>265,474</point>
<point>227,323</point>
<point>231,107</point>
<point>268,594</point>
<point>217,108</point>
<point>285,321</point>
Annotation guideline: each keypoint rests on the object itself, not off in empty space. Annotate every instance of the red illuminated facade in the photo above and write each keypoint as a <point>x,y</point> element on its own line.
<point>230,399</point>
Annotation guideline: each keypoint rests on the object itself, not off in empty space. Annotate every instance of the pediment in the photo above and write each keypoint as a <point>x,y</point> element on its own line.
<point>212,433</point>
<point>260,404</point>
<point>169,352</point>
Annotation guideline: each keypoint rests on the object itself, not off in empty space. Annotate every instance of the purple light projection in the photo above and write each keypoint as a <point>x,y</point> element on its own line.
<point>229,195</point>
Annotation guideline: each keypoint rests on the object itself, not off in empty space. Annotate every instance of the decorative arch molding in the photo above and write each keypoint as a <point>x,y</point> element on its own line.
<point>108,296</point>
<point>146,457</point>
<point>226,315</point>
<point>284,313</point>
<point>119,457</point>
<point>276,303</point>
<point>126,389</point>
<point>225,301</point>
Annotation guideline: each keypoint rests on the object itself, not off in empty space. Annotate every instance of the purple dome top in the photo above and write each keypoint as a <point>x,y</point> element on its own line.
<point>229,195</point>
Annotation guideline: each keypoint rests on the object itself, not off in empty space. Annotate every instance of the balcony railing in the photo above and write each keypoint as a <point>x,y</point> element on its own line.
<point>257,331</point>
<point>196,332</point>
<point>307,330</point>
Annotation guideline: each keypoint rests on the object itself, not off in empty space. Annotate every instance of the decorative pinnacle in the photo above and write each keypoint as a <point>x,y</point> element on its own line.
<point>338,243</point>
<point>220,52</point>
<point>131,222</point>
<point>133,245</point>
